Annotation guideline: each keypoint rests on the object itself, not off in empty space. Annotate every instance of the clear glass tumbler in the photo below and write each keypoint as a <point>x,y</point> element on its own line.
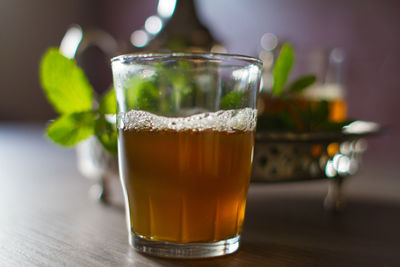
<point>186,126</point>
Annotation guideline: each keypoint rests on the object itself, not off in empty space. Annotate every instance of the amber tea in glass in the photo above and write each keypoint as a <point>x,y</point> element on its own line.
<point>186,136</point>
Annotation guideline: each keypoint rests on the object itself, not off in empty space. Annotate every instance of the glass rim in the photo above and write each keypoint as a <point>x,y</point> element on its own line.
<point>128,58</point>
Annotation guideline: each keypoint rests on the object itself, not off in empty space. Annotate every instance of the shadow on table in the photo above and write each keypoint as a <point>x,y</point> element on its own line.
<point>296,231</point>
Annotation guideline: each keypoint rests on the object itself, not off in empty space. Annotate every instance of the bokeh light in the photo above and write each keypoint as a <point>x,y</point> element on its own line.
<point>139,38</point>
<point>166,8</point>
<point>70,42</point>
<point>153,24</point>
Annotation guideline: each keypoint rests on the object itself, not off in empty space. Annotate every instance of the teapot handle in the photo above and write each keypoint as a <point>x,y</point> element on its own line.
<point>76,41</point>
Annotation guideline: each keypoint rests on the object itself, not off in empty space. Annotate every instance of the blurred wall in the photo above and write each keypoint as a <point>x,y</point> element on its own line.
<point>368,30</point>
<point>29,27</point>
<point>26,29</point>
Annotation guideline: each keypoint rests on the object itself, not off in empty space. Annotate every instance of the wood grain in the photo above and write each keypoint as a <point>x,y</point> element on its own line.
<point>47,219</point>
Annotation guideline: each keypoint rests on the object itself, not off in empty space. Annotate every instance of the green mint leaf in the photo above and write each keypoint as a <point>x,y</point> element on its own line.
<point>64,83</point>
<point>70,129</point>
<point>282,69</point>
<point>313,115</point>
<point>302,83</point>
<point>281,121</point>
<point>107,134</point>
<point>320,115</point>
<point>232,100</point>
<point>108,103</point>
<point>142,94</point>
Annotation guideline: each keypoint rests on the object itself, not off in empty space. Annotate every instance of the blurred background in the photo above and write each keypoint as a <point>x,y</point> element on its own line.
<point>367,33</point>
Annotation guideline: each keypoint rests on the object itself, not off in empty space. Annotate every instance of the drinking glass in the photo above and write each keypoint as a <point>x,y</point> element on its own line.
<point>186,125</point>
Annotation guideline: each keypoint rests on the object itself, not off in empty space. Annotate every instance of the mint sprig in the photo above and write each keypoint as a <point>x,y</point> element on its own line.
<point>106,133</point>
<point>294,115</point>
<point>64,83</point>
<point>302,83</point>
<point>282,69</point>
<point>232,100</point>
<point>108,104</point>
<point>71,95</point>
<point>72,128</point>
<point>142,94</point>
<point>105,124</point>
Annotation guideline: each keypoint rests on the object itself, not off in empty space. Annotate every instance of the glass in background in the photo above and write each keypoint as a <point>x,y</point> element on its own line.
<point>328,66</point>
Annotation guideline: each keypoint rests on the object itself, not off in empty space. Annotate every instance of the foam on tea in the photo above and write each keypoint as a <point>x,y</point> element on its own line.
<point>221,121</point>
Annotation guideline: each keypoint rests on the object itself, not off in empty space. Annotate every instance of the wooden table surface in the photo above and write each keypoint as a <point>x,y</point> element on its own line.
<point>47,218</point>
